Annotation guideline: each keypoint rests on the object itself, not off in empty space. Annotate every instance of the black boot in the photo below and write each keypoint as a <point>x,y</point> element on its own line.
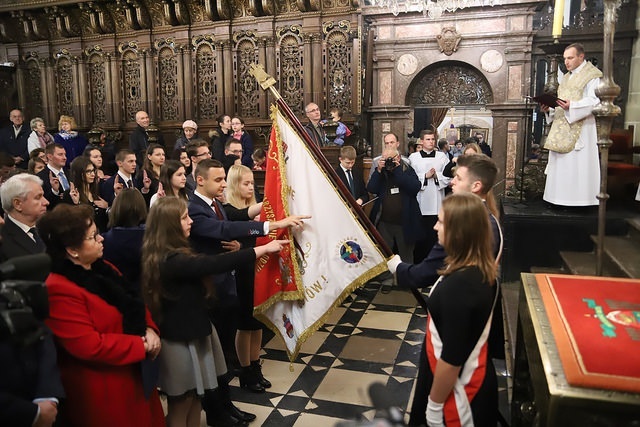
<point>257,367</point>
<point>216,411</point>
<point>225,393</point>
<point>250,380</point>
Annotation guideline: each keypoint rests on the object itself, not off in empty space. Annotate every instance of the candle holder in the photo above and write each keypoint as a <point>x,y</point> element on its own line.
<point>605,112</point>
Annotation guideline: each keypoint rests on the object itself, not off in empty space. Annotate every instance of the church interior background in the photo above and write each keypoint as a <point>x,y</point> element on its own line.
<point>388,71</point>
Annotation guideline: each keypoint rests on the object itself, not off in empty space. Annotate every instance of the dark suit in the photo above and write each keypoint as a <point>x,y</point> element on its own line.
<point>27,373</point>
<point>16,145</point>
<point>360,191</point>
<point>106,187</point>
<point>15,242</point>
<point>207,232</point>
<point>48,191</point>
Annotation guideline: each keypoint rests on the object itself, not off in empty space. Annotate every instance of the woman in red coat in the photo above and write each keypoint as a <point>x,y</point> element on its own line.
<point>104,334</point>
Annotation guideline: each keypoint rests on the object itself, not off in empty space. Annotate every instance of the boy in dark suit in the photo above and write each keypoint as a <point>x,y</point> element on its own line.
<point>351,178</point>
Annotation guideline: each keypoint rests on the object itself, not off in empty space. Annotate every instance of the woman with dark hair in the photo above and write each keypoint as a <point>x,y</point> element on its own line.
<point>86,190</point>
<point>238,132</point>
<point>103,333</point>
<point>460,378</point>
<point>176,283</point>
<point>123,242</point>
<point>95,154</point>
<point>36,164</point>
<point>148,177</point>
<point>220,136</point>
<point>183,157</point>
<point>173,180</point>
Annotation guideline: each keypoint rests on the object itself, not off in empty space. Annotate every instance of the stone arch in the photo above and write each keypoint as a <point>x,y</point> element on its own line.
<point>449,83</point>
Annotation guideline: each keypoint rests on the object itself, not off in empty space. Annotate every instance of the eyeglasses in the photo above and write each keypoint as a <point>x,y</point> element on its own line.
<point>93,237</point>
<point>207,153</point>
<point>313,110</point>
<point>90,171</point>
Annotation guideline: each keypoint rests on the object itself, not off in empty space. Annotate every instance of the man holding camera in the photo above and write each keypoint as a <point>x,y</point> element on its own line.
<point>396,213</point>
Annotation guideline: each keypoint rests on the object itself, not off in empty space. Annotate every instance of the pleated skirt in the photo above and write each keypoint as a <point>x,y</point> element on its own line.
<point>191,365</point>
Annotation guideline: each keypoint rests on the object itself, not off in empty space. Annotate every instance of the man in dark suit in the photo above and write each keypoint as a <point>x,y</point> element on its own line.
<point>123,178</point>
<point>24,203</point>
<point>13,139</point>
<point>56,179</point>
<point>352,179</point>
<point>197,150</point>
<point>139,138</point>
<point>213,233</point>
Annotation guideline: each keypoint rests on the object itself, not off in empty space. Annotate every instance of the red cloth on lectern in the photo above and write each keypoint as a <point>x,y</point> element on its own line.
<point>596,325</point>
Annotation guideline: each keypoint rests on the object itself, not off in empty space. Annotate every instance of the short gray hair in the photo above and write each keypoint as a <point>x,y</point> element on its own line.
<point>17,187</point>
<point>33,123</point>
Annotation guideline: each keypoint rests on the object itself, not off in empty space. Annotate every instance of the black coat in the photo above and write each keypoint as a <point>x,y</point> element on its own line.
<point>16,146</point>
<point>15,242</point>
<point>358,183</point>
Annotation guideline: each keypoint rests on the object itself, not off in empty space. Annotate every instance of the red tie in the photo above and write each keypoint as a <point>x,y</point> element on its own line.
<point>216,209</point>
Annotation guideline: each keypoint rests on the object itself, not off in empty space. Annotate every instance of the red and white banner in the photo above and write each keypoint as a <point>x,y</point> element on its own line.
<point>296,290</point>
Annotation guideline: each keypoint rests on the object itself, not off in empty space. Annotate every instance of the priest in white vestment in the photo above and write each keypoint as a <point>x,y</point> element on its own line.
<point>573,177</point>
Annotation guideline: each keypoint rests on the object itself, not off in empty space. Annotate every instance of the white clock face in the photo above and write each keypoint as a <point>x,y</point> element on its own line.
<point>407,64</point>
<point>491,61</point>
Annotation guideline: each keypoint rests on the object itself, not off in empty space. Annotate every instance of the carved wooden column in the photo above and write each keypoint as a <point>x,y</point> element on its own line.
<point>81,101</point>
<point>20,83</point>
<point>318,70</point>
<point>186,56</point>
<point>270,52</point>
<point>227,72</point>
<point>114,100</point>
<point>149,93</point>
<point>262,59</point>
<point>308,69</point>
<point>48,94</point>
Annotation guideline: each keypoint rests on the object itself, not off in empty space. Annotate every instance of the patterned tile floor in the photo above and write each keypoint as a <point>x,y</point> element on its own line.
<point>371,337</point>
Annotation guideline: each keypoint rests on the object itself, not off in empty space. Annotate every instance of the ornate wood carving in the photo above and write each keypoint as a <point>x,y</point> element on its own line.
<point>131,80</point>
<point>64,81</point>
<point>33,81</point>
<point>175,12</point>
<point>450,83</point>
<point>167,79</point>
<point>97,83</point>
<point>205,82</point>
<point>290,73</point>
<point>338,56</point>
<point>247,91</point>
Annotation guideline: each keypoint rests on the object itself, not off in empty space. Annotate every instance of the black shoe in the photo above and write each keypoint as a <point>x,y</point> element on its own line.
<point>249,380</point>
<point>225,419</point>
<point>257,367</point>
<point>240,414</point>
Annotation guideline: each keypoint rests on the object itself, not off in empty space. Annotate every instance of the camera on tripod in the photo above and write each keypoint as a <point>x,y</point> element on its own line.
<point>24,302</point>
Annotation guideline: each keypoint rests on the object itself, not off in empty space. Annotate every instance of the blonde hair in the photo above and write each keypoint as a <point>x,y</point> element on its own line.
<point>234,178</point>
<point>468,238</point>
<point>68,119</point>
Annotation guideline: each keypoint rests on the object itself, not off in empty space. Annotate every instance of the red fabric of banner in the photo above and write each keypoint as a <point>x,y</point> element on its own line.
<point>596,326</point>
<point>274,272</point>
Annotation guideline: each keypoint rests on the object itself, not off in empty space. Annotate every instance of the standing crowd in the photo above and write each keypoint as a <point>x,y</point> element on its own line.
<point>151,282</point>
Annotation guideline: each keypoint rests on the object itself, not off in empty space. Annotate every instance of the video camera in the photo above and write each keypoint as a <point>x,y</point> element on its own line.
<point>24,302</point>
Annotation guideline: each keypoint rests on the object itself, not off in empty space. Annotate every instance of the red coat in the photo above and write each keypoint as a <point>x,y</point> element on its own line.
<point>98,363</point>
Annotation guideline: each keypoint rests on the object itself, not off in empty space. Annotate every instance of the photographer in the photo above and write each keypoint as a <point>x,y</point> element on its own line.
<point>396,213</point>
